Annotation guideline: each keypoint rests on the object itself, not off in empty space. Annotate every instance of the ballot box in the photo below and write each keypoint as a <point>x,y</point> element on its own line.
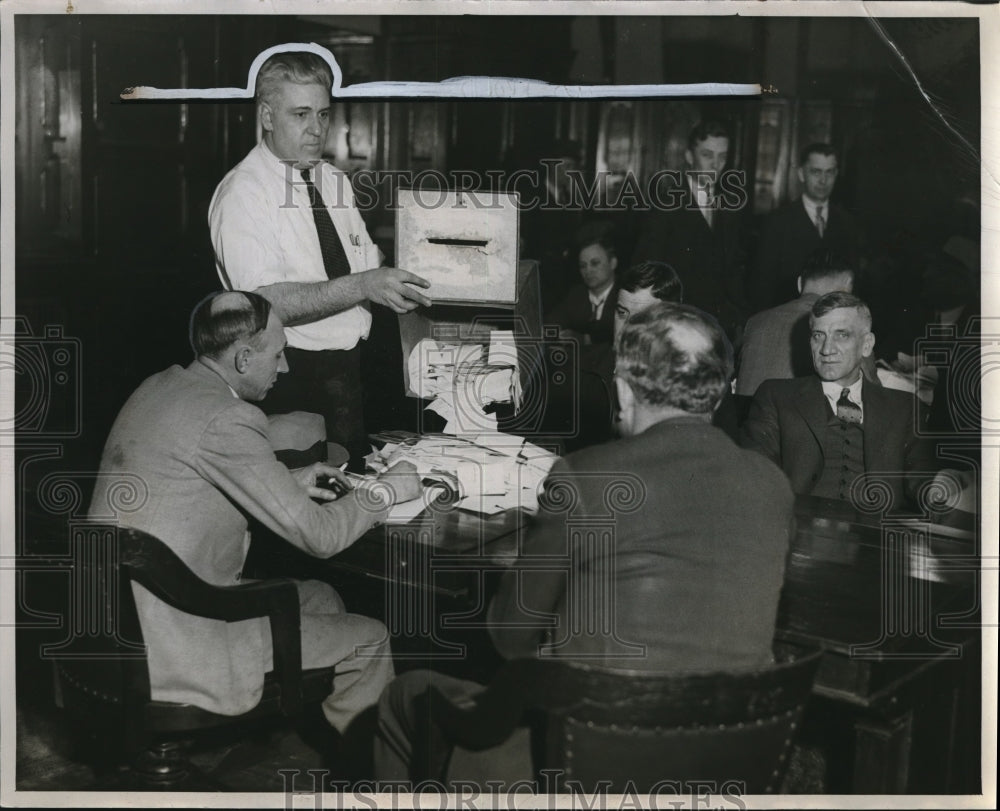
<point>464,243</point>
<point>480,343</point>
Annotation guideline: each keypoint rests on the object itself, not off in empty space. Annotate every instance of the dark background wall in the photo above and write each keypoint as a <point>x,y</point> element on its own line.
<point>112,198</point>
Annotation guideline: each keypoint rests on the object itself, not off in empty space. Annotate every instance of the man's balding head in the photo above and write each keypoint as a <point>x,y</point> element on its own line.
<point>674,357</point>
<point>222,319</point>
<point>239,336</point>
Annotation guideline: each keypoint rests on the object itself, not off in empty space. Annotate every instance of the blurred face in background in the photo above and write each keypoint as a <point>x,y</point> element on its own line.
<point>630,303</point>
<point>708,158</point>
<point>597,268</point>
<point>817,175</point>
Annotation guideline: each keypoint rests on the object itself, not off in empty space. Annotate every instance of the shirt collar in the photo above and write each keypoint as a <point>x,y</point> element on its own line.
<point>200,362</point>
<point>597,301</point>
<point>280,167</point>
<point>812,206</point>
<point>696,190</point>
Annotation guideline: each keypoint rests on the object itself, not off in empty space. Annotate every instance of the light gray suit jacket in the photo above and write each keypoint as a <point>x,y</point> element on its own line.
<point>776,345</point>
<point>207,465</point>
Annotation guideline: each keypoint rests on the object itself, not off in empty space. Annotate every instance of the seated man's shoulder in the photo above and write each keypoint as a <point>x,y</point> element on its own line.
<point>189,391</point>
<point>896,399</point>
<point>782,389</point>
<point>763,475</point>
<point>591,468</point>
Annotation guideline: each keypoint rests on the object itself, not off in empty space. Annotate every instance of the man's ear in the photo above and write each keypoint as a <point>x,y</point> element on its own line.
<point>798,283</point>
<point>868,344</point>
<point>266,120</point>
<point>688,157</point>
<point>614,263</point>
<point>241,359</point>
<point>801,175</point>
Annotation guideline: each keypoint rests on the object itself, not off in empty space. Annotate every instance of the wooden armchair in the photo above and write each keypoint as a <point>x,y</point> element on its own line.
<point>632,730</point>
<point>103,680</point>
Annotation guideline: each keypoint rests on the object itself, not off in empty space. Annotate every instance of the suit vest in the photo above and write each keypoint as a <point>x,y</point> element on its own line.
<point>843,458</point>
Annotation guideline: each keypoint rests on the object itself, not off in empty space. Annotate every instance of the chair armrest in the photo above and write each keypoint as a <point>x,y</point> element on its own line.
<point>152,564</point>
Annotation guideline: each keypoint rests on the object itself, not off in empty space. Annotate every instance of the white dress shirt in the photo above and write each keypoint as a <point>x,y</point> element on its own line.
<point>263,232</point>
<point>597,301</point>
<point>703,198</point>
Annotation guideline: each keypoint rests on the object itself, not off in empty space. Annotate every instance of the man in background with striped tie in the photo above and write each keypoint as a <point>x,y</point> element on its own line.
<point>826,431</point>
<point>284,224</point>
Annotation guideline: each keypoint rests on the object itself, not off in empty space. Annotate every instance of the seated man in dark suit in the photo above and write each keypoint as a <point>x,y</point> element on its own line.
<point>776,341</point>
<point>829,429</point>
<point>586,315</point>
<point>802,228</point>
<point>695,566</point>
<point>587,311</point>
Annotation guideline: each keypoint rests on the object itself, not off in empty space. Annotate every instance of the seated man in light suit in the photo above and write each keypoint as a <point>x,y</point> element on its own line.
<point>827,430</point>
<point>203,452</point>
<point>697,558</point>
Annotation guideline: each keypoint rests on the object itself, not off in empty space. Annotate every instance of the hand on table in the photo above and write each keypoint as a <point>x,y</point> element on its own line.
<point>306,477</point>
<point>402,481</point>
<point>395,288</point>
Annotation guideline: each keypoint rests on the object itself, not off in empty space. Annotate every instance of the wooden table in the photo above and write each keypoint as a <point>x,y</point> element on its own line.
<point>892,600</point>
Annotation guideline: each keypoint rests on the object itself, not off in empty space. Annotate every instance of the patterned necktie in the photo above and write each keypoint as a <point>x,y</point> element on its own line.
<point>334,258</point>
<point>820,221</point>
<point>847,410</point>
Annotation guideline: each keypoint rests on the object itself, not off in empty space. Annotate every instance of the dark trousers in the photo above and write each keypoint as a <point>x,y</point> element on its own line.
<point>327,383</point>
<point>410,748</point>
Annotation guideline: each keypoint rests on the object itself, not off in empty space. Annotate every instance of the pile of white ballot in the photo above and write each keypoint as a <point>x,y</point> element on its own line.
<point>461,382</point>
<point>489,473</point>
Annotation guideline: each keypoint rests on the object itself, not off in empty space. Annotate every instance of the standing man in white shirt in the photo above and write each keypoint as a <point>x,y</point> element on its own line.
<point>284,224</point>
<point>803,228</point>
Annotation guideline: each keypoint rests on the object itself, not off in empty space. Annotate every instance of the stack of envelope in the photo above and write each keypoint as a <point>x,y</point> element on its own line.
<point>461,380</point>
<point>488,473</point>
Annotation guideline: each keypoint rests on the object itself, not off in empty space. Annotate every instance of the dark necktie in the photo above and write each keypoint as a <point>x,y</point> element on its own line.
<point>334,259</point>
<point>847,410</point>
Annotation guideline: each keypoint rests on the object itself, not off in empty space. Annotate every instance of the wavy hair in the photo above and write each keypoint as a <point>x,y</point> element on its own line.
<point>675,355</point>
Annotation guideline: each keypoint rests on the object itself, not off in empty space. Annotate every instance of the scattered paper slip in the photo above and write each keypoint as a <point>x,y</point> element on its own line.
<point>496,472</point>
